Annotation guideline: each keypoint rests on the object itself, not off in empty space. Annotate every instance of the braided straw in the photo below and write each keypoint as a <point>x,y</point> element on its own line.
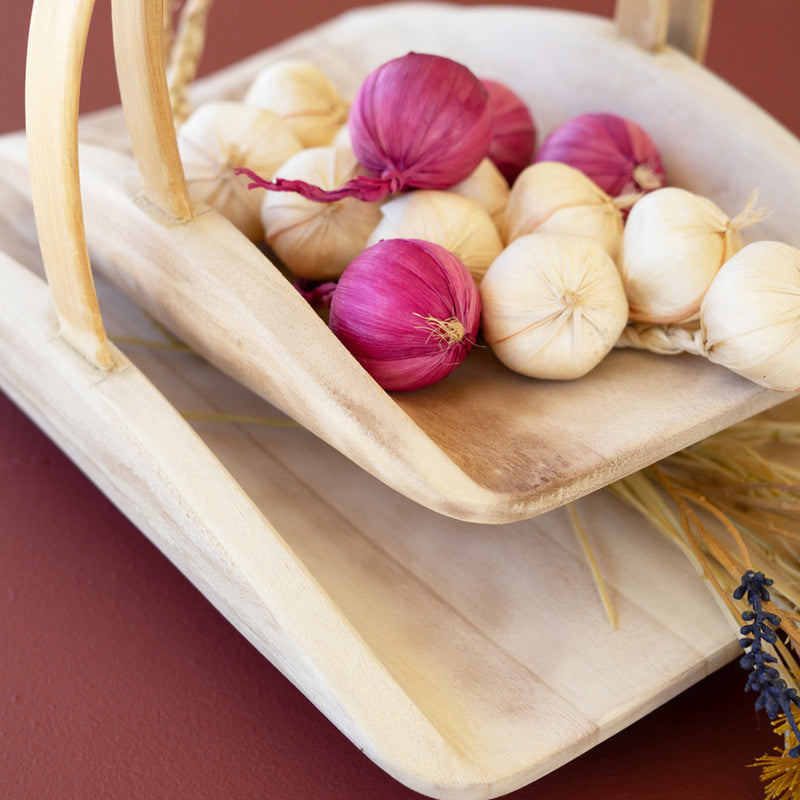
<point>666,340</point>
<point>185,50</point>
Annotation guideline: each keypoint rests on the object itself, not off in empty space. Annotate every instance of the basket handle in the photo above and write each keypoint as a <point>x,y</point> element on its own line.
<point>684,24</point>
<point>56,44</point>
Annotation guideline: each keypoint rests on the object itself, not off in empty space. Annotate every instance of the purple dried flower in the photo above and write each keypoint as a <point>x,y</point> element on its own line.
<point>775,697</point>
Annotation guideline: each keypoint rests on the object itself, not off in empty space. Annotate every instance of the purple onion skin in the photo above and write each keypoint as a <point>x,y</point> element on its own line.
<point>382,305</point>
<point>607,148</point>
<point>316,293</point>
<point>421,120</point>
<point>513,130</point>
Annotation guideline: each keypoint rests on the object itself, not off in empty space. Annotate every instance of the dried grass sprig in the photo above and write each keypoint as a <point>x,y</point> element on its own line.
<point>734,510</point>
<point>597,575</point>
<point>780,772</point>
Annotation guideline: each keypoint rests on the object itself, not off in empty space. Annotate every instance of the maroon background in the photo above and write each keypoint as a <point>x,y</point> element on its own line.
<point>119,680</point>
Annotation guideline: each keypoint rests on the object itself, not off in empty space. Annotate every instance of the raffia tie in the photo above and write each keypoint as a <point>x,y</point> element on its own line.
<point>184,55</point>
<point>666,340</point>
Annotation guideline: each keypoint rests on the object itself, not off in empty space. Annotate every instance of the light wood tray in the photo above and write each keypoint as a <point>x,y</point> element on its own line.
<point>465,659</point>
<point>484,445</point>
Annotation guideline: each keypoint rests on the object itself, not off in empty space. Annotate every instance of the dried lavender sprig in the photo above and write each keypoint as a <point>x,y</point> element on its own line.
<point>775,696</point>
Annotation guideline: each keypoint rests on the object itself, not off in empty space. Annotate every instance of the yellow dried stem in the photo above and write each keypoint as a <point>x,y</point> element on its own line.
<point>186,48</point>
<point>586,547</point>
<point>692,522</point>
<point>780,772</point>
<point>637,492</point>
<point>763,431</point>
<point>792,669</point>
<point>732,530</point>
<point>750,214</point>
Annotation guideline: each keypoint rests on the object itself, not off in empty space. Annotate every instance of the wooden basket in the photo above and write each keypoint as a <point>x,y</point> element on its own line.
<point>412,631</point>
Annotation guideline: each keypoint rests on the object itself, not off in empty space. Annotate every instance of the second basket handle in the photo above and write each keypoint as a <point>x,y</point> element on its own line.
<point>138,27</point>
<point>684,24</point>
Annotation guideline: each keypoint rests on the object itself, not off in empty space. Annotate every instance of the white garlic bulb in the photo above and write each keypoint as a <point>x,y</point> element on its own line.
<point>553,305</point>
<point>457,223</point>
<point>674,243</point>
<point>488,187</point>
<point>216,138</point>
<point>342,138</point>
<point>551,197</point>
<point>303,95</point>
<point>318,240</point>
<point>750,316</point>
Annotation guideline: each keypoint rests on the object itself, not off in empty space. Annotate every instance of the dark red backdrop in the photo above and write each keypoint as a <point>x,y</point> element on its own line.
<point>118,680</point>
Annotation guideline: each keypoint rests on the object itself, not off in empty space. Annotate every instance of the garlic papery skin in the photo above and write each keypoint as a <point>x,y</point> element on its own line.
<point>318,240</point>
<point>552,305</point>
<point>303,96</point>
<point>488,187</point>
<point>750,315</point>
<point>452,221</point>
<point>550,197</point>
<point>342,138</point>
<point>674,243</point>
<point>219,137</point>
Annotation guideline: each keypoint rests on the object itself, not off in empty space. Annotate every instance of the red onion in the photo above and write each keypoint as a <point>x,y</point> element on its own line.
<point>513,130</point>
<point>408,310</point>
<point>617,154</point>
<point>419,121</point>
<point>316,293</point>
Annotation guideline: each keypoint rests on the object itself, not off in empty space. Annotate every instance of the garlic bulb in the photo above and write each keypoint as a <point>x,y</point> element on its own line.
<point>488,187</point>
<point>551,197</point>
<point>750,316</point>
<point>318,240</point>
<point>303,95</point>
<point>454,222</point>
<point>674,243</point>
<point>217,138</point>
<point>342,138</point>
<point>553,305</point>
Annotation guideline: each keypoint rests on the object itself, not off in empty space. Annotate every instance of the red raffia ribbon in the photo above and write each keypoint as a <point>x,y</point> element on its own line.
<point>363,187</point>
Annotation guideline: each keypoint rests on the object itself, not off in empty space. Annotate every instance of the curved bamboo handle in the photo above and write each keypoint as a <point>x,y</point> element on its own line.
<point>56,44</point>
<point>138,27</point>
<point>684,24</point>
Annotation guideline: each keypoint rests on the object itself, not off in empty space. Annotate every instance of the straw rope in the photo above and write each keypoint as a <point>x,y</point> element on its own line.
<point>186,46</point>
<point>665,340</point>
